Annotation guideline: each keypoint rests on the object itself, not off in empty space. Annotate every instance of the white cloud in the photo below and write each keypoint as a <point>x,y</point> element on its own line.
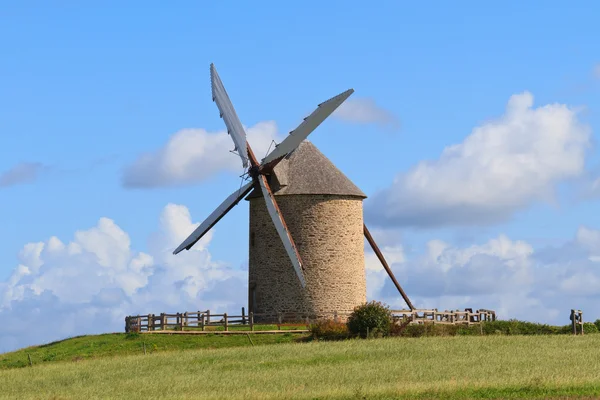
<point>26,172</point>
<point>194,155</point>
<point>91,283</point>
<point>502,166</point>
<point>505,275</point>
<point>364,110</point>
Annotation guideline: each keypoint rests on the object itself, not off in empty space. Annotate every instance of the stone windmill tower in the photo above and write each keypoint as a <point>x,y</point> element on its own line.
<point>306,221</point>
<point>324,214</point>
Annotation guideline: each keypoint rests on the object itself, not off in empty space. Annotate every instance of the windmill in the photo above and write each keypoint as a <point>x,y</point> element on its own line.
<point>275,262</point>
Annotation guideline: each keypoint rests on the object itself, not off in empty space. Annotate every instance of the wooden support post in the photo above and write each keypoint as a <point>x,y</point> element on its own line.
<point>226,322</point>
<point>202,321</point>
<point>207,317</point>
<point>126,324</point>
<point>581,321</point>
<point>243,316</point>
<point>386,266</point>
<point>573,322</point>
<point>251,320</point>
<point>163,321</point>
<point>185,319</point>
<point>278,320</point>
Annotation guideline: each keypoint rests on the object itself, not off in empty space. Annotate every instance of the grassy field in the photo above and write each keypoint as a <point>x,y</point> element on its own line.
<point>558,366</point>
<point>122,344</point>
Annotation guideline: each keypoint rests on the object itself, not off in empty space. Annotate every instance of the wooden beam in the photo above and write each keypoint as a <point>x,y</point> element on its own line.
<point>386,266</point>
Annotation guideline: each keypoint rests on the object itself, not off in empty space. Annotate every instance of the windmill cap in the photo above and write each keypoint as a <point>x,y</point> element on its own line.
<point>308,171</point>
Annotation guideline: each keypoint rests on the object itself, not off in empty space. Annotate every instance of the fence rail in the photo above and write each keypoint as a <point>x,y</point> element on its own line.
<point>205,320</point>
<point>449,317</point>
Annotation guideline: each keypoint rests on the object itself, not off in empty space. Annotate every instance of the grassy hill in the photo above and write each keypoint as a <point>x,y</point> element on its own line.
<point>122,344</point>
<point>431,367</point>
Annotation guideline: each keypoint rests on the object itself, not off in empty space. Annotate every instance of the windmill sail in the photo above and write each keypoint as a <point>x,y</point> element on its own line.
<point>214,217</point>
<point>282,230</point>
<point>234,126</point>
<point>309,124</point>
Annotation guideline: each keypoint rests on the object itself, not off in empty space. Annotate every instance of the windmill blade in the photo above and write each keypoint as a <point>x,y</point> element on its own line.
<point>309,124</point>
<point>234,126</point>
<point>282,230</point>
<point>214,217</point>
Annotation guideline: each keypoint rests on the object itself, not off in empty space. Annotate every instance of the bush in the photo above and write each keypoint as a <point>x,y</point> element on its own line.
<point>516,327</point>
<point>589,327</point>
<point>597,323</point>
<point>329,330</point>
<point>498,327</point>
<point>419,330</point>
<point>373,317</point>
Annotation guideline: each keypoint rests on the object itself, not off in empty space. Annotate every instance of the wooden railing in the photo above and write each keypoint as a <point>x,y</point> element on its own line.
<point>205,320</point>
<point>434,316</point>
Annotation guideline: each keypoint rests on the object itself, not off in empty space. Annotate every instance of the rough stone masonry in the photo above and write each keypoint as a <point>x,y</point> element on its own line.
<point>323,211</point>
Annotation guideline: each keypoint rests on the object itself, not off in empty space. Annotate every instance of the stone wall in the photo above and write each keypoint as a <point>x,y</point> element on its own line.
<point>328,231</point>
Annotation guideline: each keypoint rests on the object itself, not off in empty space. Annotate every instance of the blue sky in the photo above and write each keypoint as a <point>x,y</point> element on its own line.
<point>87,89</point>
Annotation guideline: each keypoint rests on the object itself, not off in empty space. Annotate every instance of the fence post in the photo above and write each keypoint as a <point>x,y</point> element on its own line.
<point>163,321</point>
<point>243,316</point>
<point>573,322</point>
<point>207,317</point>
<point>150,322</point>
<point>185,319</point>
<point>251,320</point>
<point>202,321</point>
<point>278,320</point>
<point>126,324</point>
<point>226,322</point>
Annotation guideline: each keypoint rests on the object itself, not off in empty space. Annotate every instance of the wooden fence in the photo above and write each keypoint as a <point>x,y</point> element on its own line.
<point>467,317</point>
<point>207,321</point>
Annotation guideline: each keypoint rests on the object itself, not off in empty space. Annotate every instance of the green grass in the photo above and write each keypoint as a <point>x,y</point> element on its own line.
<point>122,344</point>
<point>461,367</point>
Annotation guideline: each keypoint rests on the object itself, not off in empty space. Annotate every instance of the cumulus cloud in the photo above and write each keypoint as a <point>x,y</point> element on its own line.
<point>364,110</point>
<point>506,275</point>
<point>501,167</point>
<point>88,285</point>
<point>194,155</point>
<point>26,172</point>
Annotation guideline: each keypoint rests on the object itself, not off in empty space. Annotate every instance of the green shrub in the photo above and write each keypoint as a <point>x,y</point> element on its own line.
<point>589,327</point>
<point>373,318</point>
<point>516,327</point>
<point>329,330</point>
<point>419,330</point>
<point>510,327</point>
<point>597,323</point>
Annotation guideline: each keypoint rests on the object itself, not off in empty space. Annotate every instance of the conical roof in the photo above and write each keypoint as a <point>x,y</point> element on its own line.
<point>308,171</point>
